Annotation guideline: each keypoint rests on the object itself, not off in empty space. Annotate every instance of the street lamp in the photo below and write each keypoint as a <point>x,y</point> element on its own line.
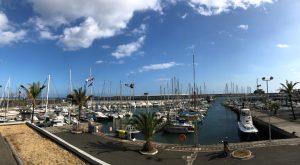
<point>267,82</point>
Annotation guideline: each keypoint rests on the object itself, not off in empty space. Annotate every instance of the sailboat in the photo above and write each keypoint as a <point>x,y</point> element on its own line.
<point>179,125</point>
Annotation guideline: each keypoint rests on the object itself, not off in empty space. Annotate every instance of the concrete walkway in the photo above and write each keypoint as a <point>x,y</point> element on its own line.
<point>115,152</point>
<point>279,123</point>
<point>207,148</point>
<point>6,156</point>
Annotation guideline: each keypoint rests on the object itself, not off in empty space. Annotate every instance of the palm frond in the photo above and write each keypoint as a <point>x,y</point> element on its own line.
<point>146,123</point>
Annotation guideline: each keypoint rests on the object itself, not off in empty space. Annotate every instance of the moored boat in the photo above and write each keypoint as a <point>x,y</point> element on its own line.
<point>245,124</point>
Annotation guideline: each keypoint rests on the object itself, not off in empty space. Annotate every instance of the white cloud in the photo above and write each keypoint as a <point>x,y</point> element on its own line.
<point>8,34</point>
<point>184,15</point>
<point>243,27</point>
<point>47,35</point>
<point>105,46</point>
<point>3,21</point>
<point>82,36</point>
<point>282,46</point>
<point>99,62</point>
<point>97,19</point>
<point>225,33</point>
<point>158,66</point>
<point>162,79</point>
<point>126,50</point>
<point>215,7</point>
<point>140,30</point>
<point>109,62</point>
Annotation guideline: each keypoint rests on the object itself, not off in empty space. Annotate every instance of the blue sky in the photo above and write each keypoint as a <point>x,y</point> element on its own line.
<point>149,42</point>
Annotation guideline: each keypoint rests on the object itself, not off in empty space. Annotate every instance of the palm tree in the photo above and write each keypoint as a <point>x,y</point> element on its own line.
<point>148,125</point>
<point>288,88</point>
<point>274,106</point>
<point>79,98</point>
<point>33,91</point>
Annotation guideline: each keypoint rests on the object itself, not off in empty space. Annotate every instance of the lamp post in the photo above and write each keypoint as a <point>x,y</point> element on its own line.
<point>267,82</point>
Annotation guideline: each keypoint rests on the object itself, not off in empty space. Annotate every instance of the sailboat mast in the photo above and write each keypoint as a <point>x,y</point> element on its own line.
<point>70,83</point>
<point>194,75</point>
<point>48,85</point>
<point>7,103</point>
<point>121,90</point>
<point>91,76</point>
<point>194,94</point>
<point>91,89</point>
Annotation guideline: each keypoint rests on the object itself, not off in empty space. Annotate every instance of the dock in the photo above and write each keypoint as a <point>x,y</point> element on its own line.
<point>286,127</point>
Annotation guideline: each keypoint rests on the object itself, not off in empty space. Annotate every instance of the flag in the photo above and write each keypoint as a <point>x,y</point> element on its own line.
<point>130,85</point>
<point>89,81</point>
<point>91,84</point>
<point>44,84</point>
<point>19,92</point>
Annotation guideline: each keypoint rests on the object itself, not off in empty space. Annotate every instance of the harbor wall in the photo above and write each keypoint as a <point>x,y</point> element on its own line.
<point>276,133</point>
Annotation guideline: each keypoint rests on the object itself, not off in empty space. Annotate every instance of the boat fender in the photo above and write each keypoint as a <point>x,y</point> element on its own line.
<point>182,138</point>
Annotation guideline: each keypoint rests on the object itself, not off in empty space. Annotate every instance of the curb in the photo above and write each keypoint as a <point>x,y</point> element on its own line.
<point>13,123</point>
<point>80,153</point>
<point>14,152</point>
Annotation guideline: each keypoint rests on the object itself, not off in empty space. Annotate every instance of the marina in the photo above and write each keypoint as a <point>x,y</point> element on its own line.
<point>218,123</point>
<point>149,82</point>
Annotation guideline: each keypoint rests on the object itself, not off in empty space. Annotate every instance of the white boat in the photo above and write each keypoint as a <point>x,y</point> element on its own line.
<point>132,104</point>
<point>245,124</point>
<point>3,120</point>
<point>179,128</point>
<point>100,115</point>
<point>59,121</point>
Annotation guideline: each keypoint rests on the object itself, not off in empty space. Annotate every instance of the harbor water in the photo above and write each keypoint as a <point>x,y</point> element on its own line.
<point>219,124</point>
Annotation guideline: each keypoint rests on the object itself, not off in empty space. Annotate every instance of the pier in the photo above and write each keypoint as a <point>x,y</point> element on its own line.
<point>282,126</point>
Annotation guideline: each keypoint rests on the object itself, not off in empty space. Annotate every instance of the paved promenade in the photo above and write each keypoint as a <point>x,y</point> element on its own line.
<point>282,124</point>
<point>6,156</point>
<point>120,152</point>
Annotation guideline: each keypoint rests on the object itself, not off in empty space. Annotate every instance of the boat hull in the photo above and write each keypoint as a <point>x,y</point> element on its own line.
<point>178,129</point>
<point>247,135</point>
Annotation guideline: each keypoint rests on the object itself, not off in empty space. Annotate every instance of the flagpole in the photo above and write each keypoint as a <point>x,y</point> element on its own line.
<point>91,89</point>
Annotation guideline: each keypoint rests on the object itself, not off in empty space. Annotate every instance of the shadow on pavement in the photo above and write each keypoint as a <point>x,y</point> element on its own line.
<point>100,147</point>
<point>216,155</point>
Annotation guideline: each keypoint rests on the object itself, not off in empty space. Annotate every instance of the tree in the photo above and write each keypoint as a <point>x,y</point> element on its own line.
<point>79,98</point>
<point>148,125</point>
<point>259,92</point>
<point>288,88</point>
<point>33,91</point>
<point>274,106</point>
